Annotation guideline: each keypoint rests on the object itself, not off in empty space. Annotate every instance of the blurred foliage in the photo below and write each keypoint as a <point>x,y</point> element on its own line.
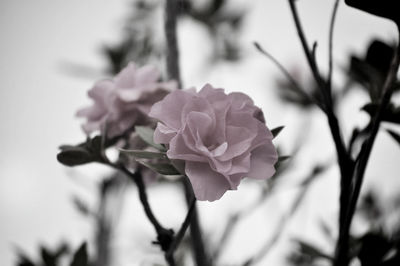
<point>83,153</point>
<point>141,43</point>
<point>370,71</point>
<point>379,245</point>
<point>55,257</point>
<point>291,94</point>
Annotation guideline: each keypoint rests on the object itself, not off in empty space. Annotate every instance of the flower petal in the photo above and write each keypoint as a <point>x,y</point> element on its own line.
<point>262,161</point>
<point>146,75</point>
<point>163,134</point>
<point>126,78</point>
<point>170,108</point>
<point>207,184</point>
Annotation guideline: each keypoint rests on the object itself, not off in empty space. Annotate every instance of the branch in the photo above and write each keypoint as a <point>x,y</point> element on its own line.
<point>171,11</point>
<point>345,162</point>
<point>200,255</point>
<point>285,72</point>
<point>179,236</point>
<point>310,58</point>
<point>138,179</point>
<point>358,176</point>
<point>330,50</point>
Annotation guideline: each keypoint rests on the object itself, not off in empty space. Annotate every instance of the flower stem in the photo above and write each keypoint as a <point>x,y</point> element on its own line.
<point>179,236</point>
<point>330,49</point>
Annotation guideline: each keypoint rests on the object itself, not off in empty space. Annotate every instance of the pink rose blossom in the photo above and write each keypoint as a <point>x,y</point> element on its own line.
<point>125,100</point>
<point>221,138</point>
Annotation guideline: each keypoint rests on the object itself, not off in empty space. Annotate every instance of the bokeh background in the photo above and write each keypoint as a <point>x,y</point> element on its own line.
<point>51,53</point>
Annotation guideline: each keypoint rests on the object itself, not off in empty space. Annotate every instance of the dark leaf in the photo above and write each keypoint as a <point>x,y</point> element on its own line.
<point>23,260</point>
<point>379,56</point>
<point>312,251</point>
<point>395,135</point>
<point>47,257</point>
<point>369,206</point>
<point>81,206</point>
<point>80,257</point>
<point>283,158</point>
<point>83,153</point>
<point>374,247</point>
<point>73,156</point>
<point>94,144</point>
<point>383,8</point>
<point>275,132</point>
<point>371,70</point>
<point>367,76</point>
<point>391,114</point>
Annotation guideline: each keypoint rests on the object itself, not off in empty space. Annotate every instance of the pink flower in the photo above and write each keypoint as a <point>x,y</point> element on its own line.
<point>221,138</point>
<point>125,100</point>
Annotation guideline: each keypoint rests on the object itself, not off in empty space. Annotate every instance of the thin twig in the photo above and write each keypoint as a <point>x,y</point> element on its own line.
<point>346,164</point>
<point>310,59</point>
<point>305,185</point>
<point>287,74</point>
<point>236,218</point>
<point>179,236</point>
<point>330,50</point>
<point>138,179</point>
<point>281,68</point>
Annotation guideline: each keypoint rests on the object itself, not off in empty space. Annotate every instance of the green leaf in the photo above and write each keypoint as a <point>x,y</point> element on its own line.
<point>146,134</point>
<point>275,132</point>
<point>161,168</point>
<point>80,257</point>
<point>395,135</point>
<point>139,154</point>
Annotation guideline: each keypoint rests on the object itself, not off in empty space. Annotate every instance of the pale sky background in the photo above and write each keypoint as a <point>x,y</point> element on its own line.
<point>38,100</point>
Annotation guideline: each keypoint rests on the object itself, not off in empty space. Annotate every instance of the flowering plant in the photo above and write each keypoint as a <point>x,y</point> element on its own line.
<point>125,100</point>
<point>210,140</point>
<point>221,138</point>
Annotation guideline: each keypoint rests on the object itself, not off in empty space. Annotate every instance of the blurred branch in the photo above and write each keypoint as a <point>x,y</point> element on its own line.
<point>295,84</point>
<point>236,218</point>
<point>345,162</point>
<point>304,187</point>
<point>171,12</point>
